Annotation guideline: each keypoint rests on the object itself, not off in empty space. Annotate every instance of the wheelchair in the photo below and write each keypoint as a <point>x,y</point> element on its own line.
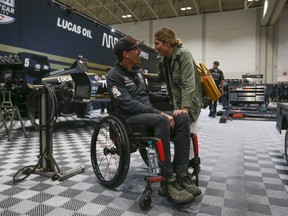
<point>112,143</point>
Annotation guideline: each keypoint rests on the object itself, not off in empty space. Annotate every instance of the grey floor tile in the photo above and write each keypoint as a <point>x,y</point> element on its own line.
<point>243,173</point>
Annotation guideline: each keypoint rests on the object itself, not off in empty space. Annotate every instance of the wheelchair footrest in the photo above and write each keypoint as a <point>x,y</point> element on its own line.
<point>152,179</point>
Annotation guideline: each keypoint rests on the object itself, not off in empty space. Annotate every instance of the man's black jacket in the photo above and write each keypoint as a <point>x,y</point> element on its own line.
<point>129,93</point>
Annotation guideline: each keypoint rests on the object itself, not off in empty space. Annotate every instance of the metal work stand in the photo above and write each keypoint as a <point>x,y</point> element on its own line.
<point>48,166</point>
<point>8,112</point>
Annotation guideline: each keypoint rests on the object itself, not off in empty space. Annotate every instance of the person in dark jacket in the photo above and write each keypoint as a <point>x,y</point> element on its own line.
<point>131,99</point>
<point>218,77</point>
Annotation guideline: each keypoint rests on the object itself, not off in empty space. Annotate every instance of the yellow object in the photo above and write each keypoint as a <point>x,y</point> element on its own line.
<point>211,90</point>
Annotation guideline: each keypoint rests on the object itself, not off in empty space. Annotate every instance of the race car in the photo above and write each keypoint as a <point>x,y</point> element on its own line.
<point>75,87</point>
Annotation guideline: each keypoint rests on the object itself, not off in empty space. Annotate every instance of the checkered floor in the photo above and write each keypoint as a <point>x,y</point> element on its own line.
<point>243,173</point>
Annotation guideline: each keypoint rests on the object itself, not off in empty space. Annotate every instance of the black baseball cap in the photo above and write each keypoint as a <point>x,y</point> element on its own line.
<point>126,43</point>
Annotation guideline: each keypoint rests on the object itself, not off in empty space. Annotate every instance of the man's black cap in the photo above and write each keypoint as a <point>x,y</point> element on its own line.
<point>125,43</point>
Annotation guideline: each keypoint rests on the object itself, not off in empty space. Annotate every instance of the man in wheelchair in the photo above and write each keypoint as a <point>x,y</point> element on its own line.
<point>131,99</point>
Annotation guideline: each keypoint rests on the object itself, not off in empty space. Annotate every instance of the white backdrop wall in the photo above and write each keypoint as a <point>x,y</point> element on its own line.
<point>282,62</point>
<point>233,38</point>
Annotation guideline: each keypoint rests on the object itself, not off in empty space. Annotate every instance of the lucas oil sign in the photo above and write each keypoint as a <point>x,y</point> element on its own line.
<point>48,28</point>
<point>7,11</point>
<point>62,23</point>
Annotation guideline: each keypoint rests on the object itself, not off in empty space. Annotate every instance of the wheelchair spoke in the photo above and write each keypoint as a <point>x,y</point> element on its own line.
<point>108,170</point>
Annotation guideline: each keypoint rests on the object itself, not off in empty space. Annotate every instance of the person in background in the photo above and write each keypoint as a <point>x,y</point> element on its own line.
<point>131,99</point>
<point>177,68</point>
<point>218,77</point>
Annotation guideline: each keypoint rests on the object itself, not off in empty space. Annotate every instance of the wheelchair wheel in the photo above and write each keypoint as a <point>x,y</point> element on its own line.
<point>145,200</point>
<point>110,151</point>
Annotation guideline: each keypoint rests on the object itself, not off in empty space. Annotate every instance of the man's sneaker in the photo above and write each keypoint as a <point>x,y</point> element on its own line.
<point>185,181</point>
<point>177,194</point>
<point>210,113</point>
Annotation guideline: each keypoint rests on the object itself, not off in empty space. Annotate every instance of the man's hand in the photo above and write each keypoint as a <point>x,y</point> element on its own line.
<point>183,110</point>
<point>171,119</point>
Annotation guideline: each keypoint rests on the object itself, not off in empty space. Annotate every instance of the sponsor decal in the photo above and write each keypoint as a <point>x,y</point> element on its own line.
<point>7,11</point>
<point>77,29</point>
<point>37,67</point>
<point>96,77</point>
<point>57,72</point>
<point>140,77</point>
<point>115,92</point>
<point>108,41</point>
<point>144,55</point>
<point>103,83</point>
<point>10,59</point>
<point>64,79</point>
<point>128,82</point>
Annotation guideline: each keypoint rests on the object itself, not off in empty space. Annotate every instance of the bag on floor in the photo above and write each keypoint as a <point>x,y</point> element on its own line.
<point>211,90</point>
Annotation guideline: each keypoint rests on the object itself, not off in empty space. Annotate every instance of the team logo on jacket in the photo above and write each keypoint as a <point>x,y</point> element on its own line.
<point>7,11</point>
<point>115,92</point>
<point>140,77</point>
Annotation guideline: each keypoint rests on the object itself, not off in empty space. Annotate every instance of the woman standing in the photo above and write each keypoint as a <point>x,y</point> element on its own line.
<point>176,67</point>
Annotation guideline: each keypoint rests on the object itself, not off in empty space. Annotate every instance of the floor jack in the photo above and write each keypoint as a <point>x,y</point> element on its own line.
<point>47,165</point>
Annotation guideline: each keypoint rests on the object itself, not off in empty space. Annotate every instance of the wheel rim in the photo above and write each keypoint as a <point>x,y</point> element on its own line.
<point>110,152</point>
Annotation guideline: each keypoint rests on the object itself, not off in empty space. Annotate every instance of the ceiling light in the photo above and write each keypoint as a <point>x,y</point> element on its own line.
<point>265,8</point>
<point>112,30</point>
<point>126,16</point>
<point>186,8</point>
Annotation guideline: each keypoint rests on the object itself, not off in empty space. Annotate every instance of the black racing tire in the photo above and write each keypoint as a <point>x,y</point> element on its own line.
<point>110,151</point>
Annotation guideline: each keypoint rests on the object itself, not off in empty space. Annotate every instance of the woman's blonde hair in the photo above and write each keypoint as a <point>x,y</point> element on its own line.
<point>167,35</point>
